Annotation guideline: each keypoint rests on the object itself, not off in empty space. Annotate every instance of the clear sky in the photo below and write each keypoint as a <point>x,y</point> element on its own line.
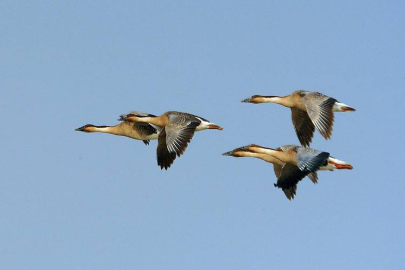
<point>70,200</point>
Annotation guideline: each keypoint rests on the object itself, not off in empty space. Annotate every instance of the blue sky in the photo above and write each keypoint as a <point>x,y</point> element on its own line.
<point>70,200</point>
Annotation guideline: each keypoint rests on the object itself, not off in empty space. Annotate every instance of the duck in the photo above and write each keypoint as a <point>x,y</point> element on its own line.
<point>133,130</point>
<point>309,110</point>
<point>287,175</point>
<point>178,129</point>
<point>291,163</point>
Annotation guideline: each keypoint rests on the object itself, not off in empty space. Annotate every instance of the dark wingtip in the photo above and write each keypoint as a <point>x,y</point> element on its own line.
<point>165,159</point>
<point>146,142</point>
<point>163,165</point>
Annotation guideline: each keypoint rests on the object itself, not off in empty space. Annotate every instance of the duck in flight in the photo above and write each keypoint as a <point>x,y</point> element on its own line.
<point>133,130</point>
<point>291,163</point>
<point>177,131</point>
<point>309,110</point>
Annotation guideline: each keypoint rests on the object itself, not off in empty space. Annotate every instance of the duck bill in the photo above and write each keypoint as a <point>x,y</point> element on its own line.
<point>247,100</point>
<point>253,99</point>
<point>256,99</point>
<point>212,126</point>
<point>80,129</point>
<point>344,166</point>
<point>230,153</point>
<point>341,165</point>
<point>348,109</point>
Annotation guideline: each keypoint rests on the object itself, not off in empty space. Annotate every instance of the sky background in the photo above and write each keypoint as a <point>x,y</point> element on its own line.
<point>70,200</point>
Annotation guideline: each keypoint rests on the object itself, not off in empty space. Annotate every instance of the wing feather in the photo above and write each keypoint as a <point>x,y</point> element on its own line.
<point>303,126</point>
<point>277,170</point>
<point>164,158</point>
<point>174,138</point>
<point>310,160</point>
<point>320,111</point>
<point>289,177</point>
<point>313,176</point>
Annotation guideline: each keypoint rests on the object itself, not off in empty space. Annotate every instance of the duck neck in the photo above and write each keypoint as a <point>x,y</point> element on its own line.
<point>275,154</point>
<point>249,154</point>
<point>261,156</point>
<point>106,129</point>
<point>268,158</point>
<point>284,101</point>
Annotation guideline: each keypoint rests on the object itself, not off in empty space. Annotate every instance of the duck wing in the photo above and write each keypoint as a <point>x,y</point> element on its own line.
<point>145,129</point>
<point>277,170</point>
<point>310,160</point>
<point>304,128</point>
<point>289,176</point>
<point>123,117</point>
<point>319,108</point>
<point>313,176</point>
<point>164,158</point>
<point>174,138</point>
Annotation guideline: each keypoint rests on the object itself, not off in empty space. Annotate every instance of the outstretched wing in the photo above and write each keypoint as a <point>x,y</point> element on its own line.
<point>164,158</point>
<point>288,179</point>
<point>174,139</point>
<point>303,126</point>
<point>177,139</point>
<point>319,109</point>
<point>309,160</point>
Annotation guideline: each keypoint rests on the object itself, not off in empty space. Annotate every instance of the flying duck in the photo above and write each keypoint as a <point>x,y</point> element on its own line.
<point>309,110</point>
<point>291,163</point>
<point>177,131</point>
<point>137,131</point>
